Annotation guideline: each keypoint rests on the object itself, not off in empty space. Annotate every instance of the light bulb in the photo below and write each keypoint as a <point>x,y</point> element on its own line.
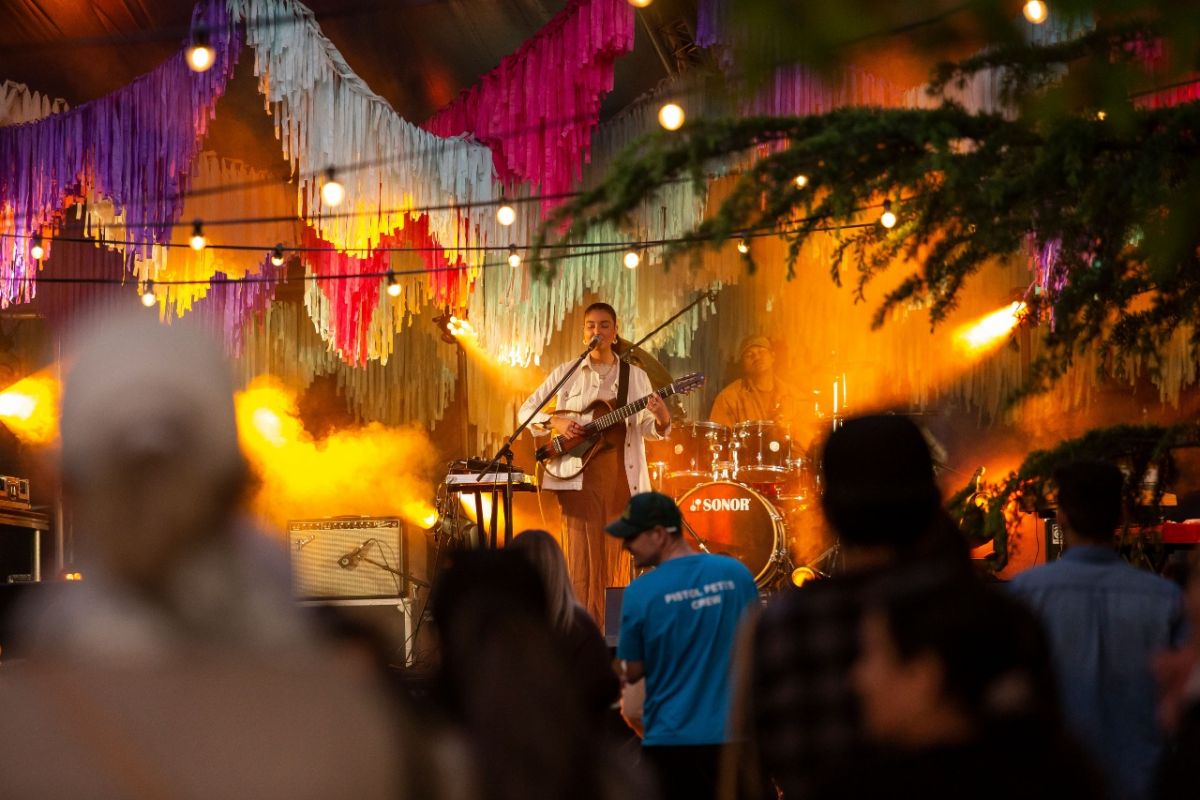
<point>671,116</point>
<point>36,250</point>
<point>200,55</point>
<point>1101,115</point>
<point>640,3</point>
<point>887,219</point>
<point>332,192</point>
<point>1036,11</point>
<point>148,298</point>
<point>801,181</point>
<point>277,255</point>
<point>393,288</point>
<point>506,215</point>
<point>514,258</point>
<point>198,242</point>
<point>632,259</point>
<point>743,246</point>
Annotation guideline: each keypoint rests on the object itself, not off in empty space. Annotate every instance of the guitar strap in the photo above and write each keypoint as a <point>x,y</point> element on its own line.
<point>623,384</point>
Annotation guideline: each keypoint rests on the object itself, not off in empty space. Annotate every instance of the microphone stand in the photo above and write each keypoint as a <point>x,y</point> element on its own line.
<point>404,575</point>
<point>506,453</point>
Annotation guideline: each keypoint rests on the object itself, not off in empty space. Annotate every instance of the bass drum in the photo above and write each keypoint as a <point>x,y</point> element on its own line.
<point>734,520</point>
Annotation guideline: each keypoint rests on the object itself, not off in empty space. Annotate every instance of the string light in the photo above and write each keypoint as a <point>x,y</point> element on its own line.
<point>198,242</point>
<point>148,298</point>
<point>200,55</point>
<point>671,116</point>
<point>888,218</point>
<point>332,192</point>
<point>1101,115</point>
<point>393,288</point>
<point>36,250</point>
<point>514,258</point>
<point>632,259</point>
<point>801,181</point>
<point>506,215</point>
<point>277,255</point>
<point>1035,11</point>
<point>743,245</point>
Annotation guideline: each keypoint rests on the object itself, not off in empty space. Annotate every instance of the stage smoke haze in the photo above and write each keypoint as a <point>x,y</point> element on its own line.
<point>370,470</point>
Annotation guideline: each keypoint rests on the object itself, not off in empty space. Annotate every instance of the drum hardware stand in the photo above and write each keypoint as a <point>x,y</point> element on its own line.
<point>699,539</point>
<point>506,453</point>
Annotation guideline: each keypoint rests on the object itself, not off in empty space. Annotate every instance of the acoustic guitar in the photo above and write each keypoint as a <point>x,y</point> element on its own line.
<point>601,417</point>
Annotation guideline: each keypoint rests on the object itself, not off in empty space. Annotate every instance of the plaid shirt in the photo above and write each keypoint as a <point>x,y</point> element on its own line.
<point>805,719</point>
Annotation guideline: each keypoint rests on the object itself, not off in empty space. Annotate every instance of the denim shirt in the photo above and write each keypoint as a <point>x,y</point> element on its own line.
<point>1105,620</point>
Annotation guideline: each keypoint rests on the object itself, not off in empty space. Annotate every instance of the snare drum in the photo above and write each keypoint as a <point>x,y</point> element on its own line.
<point>762,451</point>
<point>737,521</point>
<point>699,453</point>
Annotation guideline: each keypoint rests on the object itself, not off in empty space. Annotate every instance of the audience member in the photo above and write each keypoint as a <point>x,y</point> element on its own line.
<point>678,624</point>
<point>181,666</point>
<point>798,714</point>
<point>955,679</point>
<point>1178,674</point>
<point>587,654</point>
<point>1106,621</point>
<point>507,685</point>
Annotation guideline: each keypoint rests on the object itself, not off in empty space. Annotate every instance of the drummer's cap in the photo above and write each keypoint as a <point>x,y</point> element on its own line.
<point>757,340</point>
<point>645,511</point>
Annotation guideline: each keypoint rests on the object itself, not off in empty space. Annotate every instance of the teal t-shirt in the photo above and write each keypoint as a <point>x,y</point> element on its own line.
<point>680,621</point>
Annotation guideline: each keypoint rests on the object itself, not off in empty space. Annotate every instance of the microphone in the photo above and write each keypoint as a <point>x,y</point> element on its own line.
<point>595,342</point>
<point>352,558</point>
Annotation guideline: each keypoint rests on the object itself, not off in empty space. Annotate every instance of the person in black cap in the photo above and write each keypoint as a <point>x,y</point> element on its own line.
<point>797,711</point>
<point>678,625</point>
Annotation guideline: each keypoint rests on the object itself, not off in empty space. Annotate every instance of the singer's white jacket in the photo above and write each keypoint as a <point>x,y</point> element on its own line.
<point>585,387</point>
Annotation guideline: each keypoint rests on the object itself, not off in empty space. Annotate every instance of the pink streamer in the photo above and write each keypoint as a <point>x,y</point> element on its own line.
<point>133,146</point>
<point>353,299</point>
<point>537,109</point>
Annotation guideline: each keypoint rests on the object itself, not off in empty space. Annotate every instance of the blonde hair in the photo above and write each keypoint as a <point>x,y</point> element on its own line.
<point>543,552</point>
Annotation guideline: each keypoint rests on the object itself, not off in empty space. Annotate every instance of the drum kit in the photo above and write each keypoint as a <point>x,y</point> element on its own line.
<point>738,488</point>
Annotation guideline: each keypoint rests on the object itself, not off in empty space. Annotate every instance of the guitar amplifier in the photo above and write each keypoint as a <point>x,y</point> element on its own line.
<point>347,558</point>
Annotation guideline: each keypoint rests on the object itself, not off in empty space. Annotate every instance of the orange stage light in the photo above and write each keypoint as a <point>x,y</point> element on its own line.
<point>369,470</point>
<point>29,408</point>
<point>988,332</point>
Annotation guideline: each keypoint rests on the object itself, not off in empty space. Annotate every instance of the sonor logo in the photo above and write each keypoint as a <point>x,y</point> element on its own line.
<point>721,504</point>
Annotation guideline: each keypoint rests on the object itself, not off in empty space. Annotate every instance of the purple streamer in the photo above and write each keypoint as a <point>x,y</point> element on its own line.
<point>227,306</point>
<point>710,19</point>
<point>133,146</point>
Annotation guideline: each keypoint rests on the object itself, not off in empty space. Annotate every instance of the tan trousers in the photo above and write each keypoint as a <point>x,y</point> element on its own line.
<point>595,559</point>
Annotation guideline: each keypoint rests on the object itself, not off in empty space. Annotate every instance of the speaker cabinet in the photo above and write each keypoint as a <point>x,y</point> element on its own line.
<point>344,558</point>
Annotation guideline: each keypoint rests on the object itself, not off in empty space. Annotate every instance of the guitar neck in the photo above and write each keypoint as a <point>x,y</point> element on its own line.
<point>616,415</point>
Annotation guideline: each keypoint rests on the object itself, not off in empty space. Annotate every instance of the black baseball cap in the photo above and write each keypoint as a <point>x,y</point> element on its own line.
<point>645,510</point>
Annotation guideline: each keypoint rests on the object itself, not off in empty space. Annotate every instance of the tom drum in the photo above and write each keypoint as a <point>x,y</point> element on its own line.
<point>762,451</point>
<point>699,452</point>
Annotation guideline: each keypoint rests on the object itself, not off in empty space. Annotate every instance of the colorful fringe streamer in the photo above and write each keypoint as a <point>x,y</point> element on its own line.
<point>536,111</point>
<point>228,308</point>
<point>133,146</point>
<point>326,117</point>
<point>20,104</point>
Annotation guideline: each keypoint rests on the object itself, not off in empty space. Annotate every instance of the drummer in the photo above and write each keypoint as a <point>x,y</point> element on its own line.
<point>759,394</point>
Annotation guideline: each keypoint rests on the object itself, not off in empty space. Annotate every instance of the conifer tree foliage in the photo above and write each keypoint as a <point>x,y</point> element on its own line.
<point>1082,167</point>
